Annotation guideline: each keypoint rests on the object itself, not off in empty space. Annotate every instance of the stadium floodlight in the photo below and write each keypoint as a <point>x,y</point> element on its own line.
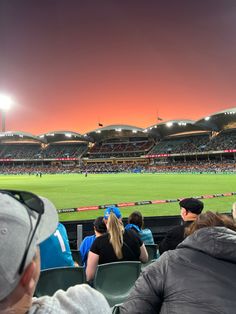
<point>169,124</point>
<point>5,104</point>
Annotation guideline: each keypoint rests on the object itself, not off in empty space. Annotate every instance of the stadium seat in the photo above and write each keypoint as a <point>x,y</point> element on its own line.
<point>114,280</point>
<point>77,257</point>
<point>54,279</point>
<point>152,251</point>
<point>152,254</point>
<point>116,309</point>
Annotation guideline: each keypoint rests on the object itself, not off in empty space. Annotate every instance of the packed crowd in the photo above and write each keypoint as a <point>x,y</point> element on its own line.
<point>110,168</point>
<point>194,273</point>
<point>196,143</point>
<point>37,151</point>
<point>194,166</point>
<point>71,168</point>
<point>20,151</point>
<point>215,166</point>
<point>64,150</point>
<point>33,169</point>
<point>181,145</point>
<point>120,149</point>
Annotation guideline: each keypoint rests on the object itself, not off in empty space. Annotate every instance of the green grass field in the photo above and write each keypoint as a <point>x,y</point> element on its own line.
<point>75,190</point>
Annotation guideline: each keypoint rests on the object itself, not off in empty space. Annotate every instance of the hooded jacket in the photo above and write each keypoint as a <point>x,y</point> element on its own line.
<point>197,277</point>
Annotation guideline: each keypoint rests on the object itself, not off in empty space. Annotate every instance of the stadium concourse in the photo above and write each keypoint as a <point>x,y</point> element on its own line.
<point>208,144</point>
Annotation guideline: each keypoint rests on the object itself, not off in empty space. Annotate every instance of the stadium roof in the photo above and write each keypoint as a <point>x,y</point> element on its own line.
<point>115,131</point>
<point>172,127</point>
<point>219,121</point>
<point>18,136</point>
<point>62,136</point>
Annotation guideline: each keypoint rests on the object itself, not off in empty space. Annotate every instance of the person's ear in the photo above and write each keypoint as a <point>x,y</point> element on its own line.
<point>183,212</point>
<point>27,280</point>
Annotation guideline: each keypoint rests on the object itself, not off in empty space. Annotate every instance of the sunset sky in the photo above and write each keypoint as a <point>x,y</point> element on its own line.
<point>70,64</point>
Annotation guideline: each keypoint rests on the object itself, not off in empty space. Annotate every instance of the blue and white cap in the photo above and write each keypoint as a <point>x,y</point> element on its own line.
<point>114,210</point>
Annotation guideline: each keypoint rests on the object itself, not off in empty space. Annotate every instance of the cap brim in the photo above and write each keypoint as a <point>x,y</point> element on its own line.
<point>49,220</point>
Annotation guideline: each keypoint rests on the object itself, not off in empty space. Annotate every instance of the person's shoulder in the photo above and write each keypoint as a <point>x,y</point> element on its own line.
<point>77,299</point>
<point>146,236</point>
<point>89,238</point>
<point>103,238</point>
<point>145,231</point>
<point>131,234</point>
<point>176,229</point>
<point>61,228</point>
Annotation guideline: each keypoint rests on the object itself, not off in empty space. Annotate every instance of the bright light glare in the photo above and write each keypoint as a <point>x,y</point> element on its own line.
<point>169,124</point>
<point>5,102</point>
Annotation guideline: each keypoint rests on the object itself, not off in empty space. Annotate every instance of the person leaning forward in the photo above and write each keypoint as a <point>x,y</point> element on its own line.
<point>25,221</point>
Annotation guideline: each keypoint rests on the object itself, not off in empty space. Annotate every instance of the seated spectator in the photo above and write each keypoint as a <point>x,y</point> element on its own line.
<point>136,223</point>
<point>190,209</point>
<point>25,221</point>
<point>99,229</point>
<point>116,245</point>
<point>197,277</point>
<point>55,251</point>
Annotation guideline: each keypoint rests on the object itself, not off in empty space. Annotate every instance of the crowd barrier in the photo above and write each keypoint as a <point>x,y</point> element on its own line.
<point>139,203</point>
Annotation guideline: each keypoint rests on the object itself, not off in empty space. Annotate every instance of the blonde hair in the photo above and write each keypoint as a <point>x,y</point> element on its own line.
<point>116,231</point>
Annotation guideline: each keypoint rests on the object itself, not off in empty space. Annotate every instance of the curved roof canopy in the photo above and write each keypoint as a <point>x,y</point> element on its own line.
<point>116,131</point>
<point>173,127</point>
<point>18,136</point>
<point>62,136</point>
<point>219,121</point>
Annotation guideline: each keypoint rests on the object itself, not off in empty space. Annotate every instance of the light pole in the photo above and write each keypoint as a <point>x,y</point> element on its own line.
<point>5,104</point>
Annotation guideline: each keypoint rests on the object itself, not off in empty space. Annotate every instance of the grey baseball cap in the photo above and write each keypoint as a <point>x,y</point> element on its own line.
<point>17,223</point>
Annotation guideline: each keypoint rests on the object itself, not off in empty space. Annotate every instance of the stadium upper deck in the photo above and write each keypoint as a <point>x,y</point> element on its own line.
<point>214,133</point>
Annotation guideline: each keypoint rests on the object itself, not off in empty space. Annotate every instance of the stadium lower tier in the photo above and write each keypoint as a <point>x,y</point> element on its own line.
<point>207,163</point>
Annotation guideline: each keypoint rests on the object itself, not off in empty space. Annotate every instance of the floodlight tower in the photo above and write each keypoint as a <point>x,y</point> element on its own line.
<point>5,104</point>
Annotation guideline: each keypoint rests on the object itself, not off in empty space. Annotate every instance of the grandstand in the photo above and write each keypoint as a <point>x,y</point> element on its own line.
<point>206,145</point>
<point>209,142</point>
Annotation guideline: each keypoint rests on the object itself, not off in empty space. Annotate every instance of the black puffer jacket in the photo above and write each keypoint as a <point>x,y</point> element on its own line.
<point>198,277</point>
